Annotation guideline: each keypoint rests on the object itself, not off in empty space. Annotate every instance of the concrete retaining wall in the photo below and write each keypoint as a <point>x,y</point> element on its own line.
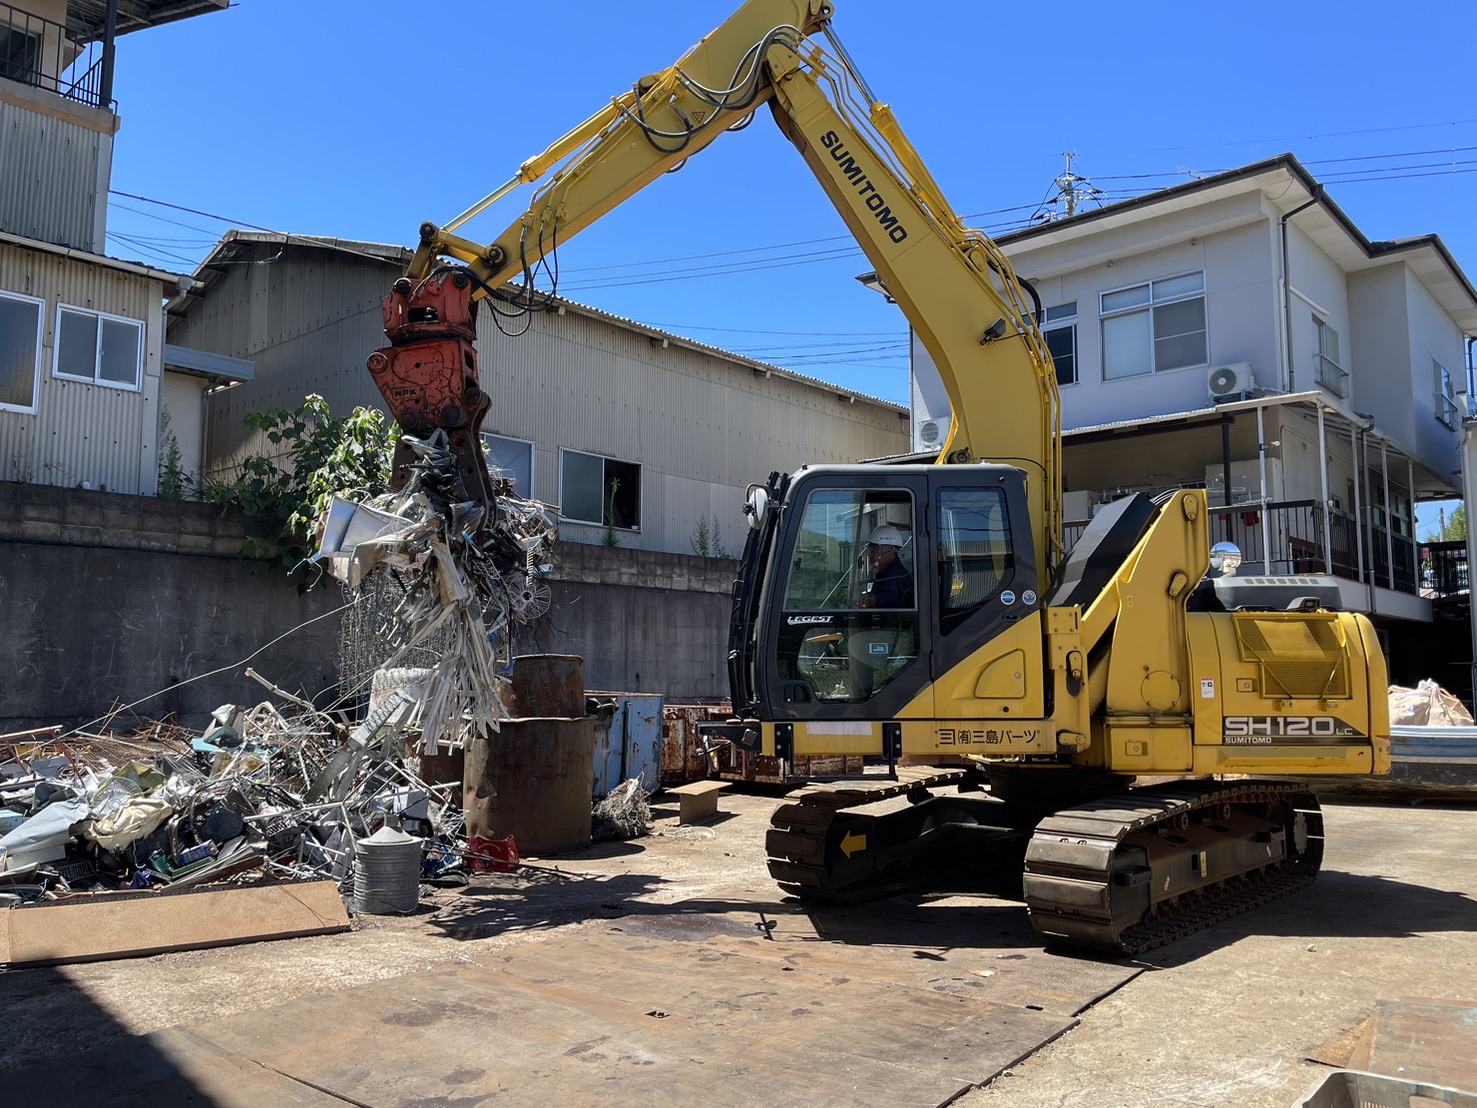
<point>643,620</point>
<point>106,599</point>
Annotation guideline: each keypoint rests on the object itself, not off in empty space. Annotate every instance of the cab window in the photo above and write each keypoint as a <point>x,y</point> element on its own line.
<point>975,557</point>
<point>849,623</point>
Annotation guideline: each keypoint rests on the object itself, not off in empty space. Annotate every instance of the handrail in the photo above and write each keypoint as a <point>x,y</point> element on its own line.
<point>43,55</point>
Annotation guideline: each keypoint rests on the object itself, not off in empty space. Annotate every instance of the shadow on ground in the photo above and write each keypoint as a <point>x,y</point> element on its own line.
<point>89,1058</point>
<point>1336,906</point>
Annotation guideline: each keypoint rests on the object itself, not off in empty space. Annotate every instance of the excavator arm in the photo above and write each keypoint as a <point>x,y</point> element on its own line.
<point>954,285</point>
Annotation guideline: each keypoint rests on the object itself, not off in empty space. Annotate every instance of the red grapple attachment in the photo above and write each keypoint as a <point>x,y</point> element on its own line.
<point>428,375</point>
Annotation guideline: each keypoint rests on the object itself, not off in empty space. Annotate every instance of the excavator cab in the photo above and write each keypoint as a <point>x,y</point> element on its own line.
<point>824,633</point>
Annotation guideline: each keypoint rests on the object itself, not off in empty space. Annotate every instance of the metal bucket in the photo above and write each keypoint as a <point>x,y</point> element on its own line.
<point>387,873</point>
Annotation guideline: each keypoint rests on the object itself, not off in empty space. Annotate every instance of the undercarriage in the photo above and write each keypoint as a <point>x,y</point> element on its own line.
<point>1122,871</point>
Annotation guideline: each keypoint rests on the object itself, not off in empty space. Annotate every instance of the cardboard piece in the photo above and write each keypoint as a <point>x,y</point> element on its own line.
<point>94,928</point>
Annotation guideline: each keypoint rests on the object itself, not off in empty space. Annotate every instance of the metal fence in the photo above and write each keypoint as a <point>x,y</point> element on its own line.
<point>38,52</point>
<point>1295,543</point>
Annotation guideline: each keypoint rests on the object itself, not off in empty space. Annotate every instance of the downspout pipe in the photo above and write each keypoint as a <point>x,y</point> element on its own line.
<point>1470,375</point>
<point>1287,281</point>
<point>110,38</point>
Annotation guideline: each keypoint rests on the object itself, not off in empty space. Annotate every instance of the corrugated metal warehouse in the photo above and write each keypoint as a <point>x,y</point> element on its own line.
<point>580,398</point>
<point>92,424</point>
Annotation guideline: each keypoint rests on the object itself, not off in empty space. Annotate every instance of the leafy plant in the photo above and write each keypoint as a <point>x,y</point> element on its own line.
<point>322,457</point>
<point>175,481</point>
<point>707,539</point>
<point>611,538</point>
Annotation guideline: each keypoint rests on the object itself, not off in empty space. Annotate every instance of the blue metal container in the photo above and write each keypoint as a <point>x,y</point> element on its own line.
<point>628,740</point>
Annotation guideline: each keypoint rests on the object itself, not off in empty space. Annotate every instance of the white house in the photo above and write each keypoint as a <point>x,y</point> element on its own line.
<point>1239,333</point>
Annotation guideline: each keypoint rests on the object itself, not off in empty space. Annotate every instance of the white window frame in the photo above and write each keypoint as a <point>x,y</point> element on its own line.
<point>532,458</point>
<point>95,379</point>
<point>36,368</point>
<point>1446,411</point>
<point>640,498</point>
<point>1064,323</point>
<point>1327,371</point>
<point>1147,308</point>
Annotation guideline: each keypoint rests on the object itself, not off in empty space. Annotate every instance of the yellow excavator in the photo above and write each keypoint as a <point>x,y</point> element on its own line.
<point>926,615</point>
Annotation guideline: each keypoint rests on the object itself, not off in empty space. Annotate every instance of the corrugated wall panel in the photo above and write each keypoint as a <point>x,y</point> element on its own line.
<point>700,426</point>
<point>686,416</point>
<point>54,196</point>
<point>82,432</point>
<point>308,319</point>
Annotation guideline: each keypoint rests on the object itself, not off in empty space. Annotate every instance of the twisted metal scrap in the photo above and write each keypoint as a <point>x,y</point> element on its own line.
<point>459,581</point>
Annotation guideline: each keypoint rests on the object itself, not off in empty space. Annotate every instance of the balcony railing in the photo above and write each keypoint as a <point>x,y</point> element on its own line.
<point>37,52</point>
<point>1332,376</point>
<point>1444,569</point>
<point>1295,543</point>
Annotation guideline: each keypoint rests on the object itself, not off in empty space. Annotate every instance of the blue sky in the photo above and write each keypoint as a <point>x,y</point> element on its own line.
<point>361,120</point>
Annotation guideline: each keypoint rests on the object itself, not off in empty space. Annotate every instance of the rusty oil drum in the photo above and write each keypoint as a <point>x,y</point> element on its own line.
<point>533,779</point>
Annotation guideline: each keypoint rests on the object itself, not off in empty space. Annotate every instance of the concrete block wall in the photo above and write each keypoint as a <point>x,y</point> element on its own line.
<point>107,598</point>
<point>644,621</point>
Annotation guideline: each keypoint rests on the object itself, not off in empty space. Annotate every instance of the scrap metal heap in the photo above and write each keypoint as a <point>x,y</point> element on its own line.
<point>262,790</point>
<point>437,579</point>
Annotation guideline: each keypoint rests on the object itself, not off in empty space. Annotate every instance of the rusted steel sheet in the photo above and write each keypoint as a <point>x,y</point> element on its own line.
<point>682,751</point>
<point>1426,1039</point>
<point>683,758</point>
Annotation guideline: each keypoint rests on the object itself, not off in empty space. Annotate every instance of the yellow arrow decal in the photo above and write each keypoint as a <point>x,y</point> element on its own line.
<point>852,843</point>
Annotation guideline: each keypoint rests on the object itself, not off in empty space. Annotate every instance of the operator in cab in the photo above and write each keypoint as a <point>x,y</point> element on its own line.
<point>892,584</point>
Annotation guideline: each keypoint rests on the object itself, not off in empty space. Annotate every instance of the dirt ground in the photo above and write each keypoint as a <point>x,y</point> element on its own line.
<point>1230,1016</point>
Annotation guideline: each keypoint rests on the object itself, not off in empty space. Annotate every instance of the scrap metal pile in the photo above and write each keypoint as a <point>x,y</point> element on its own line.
<point>438,580</point>
<point>437,584</point>
<point>285,794</point>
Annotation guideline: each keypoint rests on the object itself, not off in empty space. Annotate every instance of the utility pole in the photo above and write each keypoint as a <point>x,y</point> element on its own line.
<point>1071,190</point>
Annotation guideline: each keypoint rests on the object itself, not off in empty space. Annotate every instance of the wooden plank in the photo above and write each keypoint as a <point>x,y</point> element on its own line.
<point>116,926</point>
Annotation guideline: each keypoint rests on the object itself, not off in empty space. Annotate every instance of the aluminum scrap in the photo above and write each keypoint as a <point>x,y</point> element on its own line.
<point>435,583</point>
<point>286,789</point>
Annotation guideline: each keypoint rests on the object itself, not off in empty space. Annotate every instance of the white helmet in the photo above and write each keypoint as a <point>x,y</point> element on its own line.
<point>886,535</point>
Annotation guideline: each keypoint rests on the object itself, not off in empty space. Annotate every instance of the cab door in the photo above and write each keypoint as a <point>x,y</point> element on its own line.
<point>845,639</point>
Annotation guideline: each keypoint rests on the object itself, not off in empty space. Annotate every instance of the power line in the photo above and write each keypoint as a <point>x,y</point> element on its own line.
<point>194,211</point>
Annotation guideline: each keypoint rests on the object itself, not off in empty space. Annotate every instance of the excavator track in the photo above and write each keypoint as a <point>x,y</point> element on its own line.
<point>819,849</point>
<point>1131,872</point>
<point>1122,873</point>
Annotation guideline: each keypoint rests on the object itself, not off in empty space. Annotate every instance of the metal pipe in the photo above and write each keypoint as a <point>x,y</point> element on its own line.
<point>1287,282</point>
<point>1470,374</point>
<point>1415,549</point>
<point>1323,478</point>
<point>1389,531</point>
<point>1356,448</point>
<point>1261,438</point>
<point>1469,464</point>
<point>1226,464</point>
<point>105,77</point>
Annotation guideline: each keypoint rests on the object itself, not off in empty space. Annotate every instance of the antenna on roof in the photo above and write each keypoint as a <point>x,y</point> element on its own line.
<point>1071,189</point>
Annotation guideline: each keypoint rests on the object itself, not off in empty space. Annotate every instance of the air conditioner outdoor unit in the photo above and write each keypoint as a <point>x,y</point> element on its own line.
<point>929,434</point>
<point>1229,382</point>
